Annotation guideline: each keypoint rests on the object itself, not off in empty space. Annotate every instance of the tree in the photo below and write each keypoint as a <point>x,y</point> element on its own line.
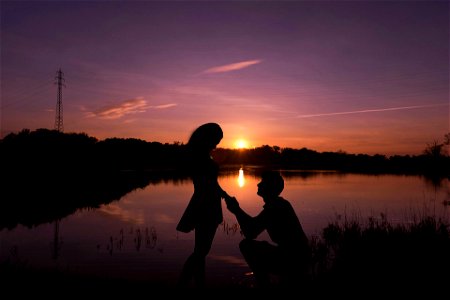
<point>434,149</point>
<point>447,142</point>
<point>447,139</point>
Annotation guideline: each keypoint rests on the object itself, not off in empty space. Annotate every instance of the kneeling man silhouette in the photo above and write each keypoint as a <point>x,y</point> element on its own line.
<point>288,256</point>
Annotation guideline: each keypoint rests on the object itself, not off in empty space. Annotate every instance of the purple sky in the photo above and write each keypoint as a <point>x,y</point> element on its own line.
<point>362,77</point>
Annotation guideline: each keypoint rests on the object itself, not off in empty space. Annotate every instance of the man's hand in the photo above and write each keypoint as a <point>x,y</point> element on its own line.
<point>232,204</point>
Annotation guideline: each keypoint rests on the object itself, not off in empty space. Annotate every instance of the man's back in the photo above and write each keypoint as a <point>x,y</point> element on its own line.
<point>282,224</point>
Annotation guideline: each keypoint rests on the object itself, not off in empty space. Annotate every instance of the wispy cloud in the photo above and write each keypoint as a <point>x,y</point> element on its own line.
<point>127,107</point>
<point>163,106</point>
<point>233,67</point>
<point>371,110</point>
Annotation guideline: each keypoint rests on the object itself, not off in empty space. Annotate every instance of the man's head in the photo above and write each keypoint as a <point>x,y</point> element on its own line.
<point>271,184</point>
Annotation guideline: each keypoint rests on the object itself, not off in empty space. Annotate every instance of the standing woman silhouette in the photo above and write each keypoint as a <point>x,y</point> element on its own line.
<point>204,211</point>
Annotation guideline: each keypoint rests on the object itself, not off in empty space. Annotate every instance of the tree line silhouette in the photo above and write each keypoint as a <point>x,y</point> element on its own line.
<point>50,150</point>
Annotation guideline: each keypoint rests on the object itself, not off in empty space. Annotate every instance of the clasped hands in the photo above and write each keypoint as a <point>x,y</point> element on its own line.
<point>232,203</point>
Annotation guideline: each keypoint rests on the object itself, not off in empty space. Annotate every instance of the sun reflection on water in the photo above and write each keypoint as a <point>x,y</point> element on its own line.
<point>241,178</point>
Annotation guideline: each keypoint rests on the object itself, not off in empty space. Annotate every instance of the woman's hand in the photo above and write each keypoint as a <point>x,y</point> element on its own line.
<point>232,204</point>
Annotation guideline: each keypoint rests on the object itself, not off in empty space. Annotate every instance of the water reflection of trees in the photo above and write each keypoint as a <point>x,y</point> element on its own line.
<point>34,198</point>
<point>435,181</point>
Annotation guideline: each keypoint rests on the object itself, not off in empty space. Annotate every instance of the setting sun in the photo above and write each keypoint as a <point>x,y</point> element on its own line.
<point>241,144</point>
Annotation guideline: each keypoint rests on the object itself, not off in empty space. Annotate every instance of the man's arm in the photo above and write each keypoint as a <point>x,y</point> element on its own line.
<point>250,226</point>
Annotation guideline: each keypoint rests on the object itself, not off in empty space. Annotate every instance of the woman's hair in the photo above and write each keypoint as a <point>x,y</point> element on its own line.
<point>205,137</point>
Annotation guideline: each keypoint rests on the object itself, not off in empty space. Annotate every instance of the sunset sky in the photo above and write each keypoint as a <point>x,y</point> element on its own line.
<point>358,76</point>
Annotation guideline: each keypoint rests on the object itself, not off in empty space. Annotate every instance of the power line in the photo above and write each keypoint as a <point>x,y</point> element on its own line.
<point>24,97</point>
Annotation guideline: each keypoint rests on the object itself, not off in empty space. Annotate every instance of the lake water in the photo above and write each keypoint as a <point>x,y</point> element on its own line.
<point>135,237</point>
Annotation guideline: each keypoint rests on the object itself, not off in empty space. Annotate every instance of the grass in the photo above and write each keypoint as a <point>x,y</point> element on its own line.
<point>378,254</point>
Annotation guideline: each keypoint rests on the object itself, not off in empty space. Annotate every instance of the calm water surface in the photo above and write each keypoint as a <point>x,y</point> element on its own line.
<point>135,237</point>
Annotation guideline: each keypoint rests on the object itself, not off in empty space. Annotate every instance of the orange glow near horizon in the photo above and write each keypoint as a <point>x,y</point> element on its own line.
<point>241,144</point>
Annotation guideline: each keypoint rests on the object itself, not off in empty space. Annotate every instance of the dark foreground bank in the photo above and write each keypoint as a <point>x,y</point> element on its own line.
<point>351,255</point>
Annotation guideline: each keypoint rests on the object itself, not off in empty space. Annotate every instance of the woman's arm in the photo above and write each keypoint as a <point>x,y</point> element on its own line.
<point>223,194</point>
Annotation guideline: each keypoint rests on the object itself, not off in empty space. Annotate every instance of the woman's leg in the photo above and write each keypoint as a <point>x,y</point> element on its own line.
<point>195,264</point>
<point>204,236</point>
